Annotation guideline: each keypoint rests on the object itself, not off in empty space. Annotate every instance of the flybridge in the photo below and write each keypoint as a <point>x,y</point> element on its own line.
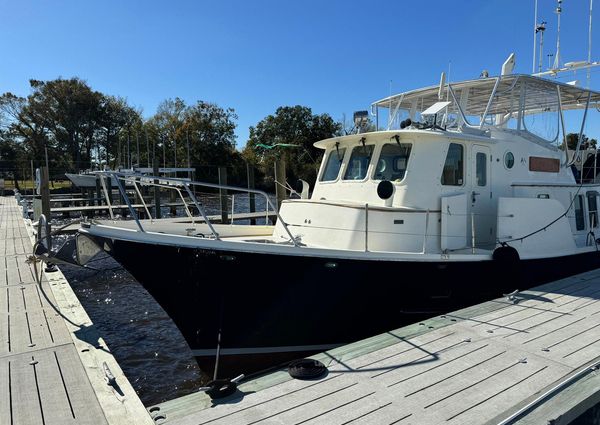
<point>503,102</point>
<point>494,99</point>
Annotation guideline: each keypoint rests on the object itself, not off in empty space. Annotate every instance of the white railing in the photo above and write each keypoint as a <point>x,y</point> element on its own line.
<point>177,184</point>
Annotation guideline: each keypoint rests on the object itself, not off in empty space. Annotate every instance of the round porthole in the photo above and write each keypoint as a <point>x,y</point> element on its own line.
<point>509,160</point>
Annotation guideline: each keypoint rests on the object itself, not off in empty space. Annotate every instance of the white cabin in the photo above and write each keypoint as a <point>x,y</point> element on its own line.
<point>465,175</point>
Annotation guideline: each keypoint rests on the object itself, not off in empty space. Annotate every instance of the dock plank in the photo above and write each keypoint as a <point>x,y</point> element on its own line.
<point>477,365</point>
<point>49,372</point>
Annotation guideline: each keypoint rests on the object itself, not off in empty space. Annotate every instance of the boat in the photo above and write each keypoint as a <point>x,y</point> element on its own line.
<point>87,179</point>
<point>462,197</point>
<point>403,223</point>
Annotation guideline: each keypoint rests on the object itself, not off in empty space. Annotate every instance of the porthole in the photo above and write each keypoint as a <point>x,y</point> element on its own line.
<point>509,160</point>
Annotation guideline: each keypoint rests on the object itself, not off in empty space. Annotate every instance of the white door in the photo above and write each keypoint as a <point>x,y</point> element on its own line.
<point>484,216</point>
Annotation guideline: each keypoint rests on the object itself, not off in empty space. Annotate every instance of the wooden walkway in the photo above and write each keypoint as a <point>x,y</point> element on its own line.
<point>478,365</point>
<point>51,356</point>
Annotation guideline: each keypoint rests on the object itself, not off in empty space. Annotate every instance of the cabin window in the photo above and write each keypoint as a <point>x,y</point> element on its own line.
<point>592,199</point>
<point>509,160</point>
<point>359,163</point>
<point>481,169</point>
<point>579,218</point>
<point>333,165</point>
<point>452,175</point>
<point>392,162</point>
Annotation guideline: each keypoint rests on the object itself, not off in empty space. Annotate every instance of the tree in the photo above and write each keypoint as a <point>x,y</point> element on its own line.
<point>208,128</point>
<point>291,125</point>
<point>69,110</point>
<point>573,138</point>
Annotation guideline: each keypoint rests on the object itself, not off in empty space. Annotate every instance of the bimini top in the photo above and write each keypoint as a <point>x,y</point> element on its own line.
<point>497,95</point>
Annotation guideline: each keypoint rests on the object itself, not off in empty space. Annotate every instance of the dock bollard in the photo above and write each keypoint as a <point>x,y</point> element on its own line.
<point>219,388</point>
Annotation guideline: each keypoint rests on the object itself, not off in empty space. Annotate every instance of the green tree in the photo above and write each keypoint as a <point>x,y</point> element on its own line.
<point>573,138</point>
<point>208,129</point>
<point>290,125</point>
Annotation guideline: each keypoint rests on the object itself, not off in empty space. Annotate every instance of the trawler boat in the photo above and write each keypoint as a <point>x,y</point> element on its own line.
<point>463,197</point>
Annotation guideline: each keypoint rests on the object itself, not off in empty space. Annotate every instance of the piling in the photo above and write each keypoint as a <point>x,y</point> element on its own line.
<point>157,212</point>
<point>280,180</point>
<point>98,192</point>
<point>252,200</point>
<point>223,194</point>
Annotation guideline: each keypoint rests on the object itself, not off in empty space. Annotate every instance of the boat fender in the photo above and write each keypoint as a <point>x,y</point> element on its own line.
<point>385,189</point>
<point>306,369</point>
<point>506,254</point>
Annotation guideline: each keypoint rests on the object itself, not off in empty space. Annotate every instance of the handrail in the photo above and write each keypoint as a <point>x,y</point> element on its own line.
<point>149,180</point>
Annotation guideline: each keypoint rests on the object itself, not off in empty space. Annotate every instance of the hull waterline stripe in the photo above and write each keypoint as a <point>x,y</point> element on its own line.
<point>262,350</point>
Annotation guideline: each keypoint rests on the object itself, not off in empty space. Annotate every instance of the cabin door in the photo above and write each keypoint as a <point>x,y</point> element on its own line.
<point>483,218</point>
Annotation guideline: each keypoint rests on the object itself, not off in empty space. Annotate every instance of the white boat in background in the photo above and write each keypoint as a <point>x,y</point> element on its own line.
<point>87,179</point>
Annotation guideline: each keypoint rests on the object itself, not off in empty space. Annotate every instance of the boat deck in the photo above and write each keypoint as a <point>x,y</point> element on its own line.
<point>52,359</point>
<point>528,360</point>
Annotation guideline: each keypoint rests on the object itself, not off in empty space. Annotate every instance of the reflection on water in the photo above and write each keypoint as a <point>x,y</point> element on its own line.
<point>146,343</point>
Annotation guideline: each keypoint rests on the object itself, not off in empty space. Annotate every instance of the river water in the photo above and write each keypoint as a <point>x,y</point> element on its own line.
<point>144,340</point>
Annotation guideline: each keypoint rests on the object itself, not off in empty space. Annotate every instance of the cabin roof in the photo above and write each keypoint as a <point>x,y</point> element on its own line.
<point>540,94</point>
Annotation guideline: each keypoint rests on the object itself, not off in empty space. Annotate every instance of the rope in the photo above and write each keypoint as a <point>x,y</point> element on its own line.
<point>542,229</point>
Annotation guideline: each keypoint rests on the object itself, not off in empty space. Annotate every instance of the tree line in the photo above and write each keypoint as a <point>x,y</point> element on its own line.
<point>79,128</point>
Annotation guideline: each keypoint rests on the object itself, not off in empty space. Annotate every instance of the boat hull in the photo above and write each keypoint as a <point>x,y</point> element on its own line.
<point>272,308</point>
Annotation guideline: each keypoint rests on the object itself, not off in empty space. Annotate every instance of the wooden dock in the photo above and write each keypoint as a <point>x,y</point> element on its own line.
<point>531,360</point>
<point>54,366</point>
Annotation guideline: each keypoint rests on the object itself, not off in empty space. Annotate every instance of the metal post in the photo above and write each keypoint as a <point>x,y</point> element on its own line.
<point>223,194</point>
<point>232,209</point>
<point>251,200</point>
<point>107,194</point>
<point>132,210</point>
<point>201,210</point>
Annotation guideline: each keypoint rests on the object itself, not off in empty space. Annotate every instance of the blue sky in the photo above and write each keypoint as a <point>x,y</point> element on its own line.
<point>335,57</point>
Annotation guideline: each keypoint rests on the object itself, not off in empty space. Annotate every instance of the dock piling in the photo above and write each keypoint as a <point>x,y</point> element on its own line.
<point>223,194</point>
<point>252,199</point>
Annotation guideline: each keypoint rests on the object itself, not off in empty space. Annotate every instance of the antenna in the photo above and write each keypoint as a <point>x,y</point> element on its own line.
<point>534,34</point>
<point>541,27</point>
<point>557,56</point>
<point>589,71</point>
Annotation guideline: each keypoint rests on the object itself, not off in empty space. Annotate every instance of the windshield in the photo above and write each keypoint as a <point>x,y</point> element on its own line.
<point>392,162</point>
<point>333,165</point>
<point>359,163</point>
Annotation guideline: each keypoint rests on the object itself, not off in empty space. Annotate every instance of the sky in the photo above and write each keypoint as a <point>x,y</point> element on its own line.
<point>253,56</point>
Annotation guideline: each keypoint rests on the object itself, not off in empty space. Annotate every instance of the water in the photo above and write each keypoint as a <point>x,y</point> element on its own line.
<point>144,340</point>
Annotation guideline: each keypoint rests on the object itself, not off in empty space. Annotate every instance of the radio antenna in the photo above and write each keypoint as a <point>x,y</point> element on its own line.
<point>557,56</point>
<point>589,72</point>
